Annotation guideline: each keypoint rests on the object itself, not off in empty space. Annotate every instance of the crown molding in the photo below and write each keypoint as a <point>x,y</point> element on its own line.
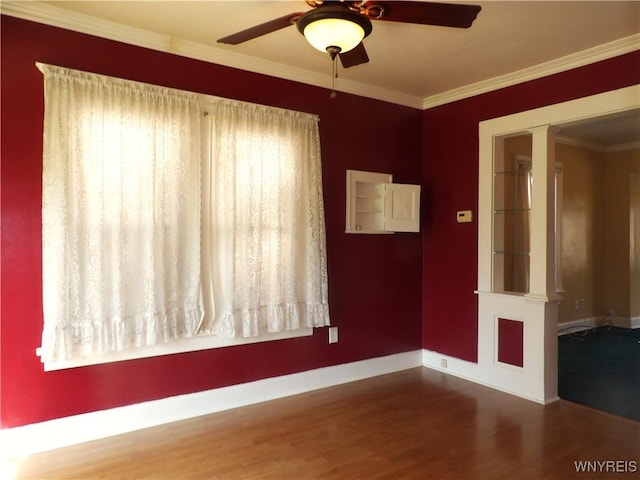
<point>623,147</point>
<point>584,144</point>
<point>219,56</point>
<point>597,147</point>
<point>58,17</point>
<point>575,60</point>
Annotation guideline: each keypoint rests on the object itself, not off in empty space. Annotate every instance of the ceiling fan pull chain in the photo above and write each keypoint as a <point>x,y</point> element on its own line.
<point>333,78</point>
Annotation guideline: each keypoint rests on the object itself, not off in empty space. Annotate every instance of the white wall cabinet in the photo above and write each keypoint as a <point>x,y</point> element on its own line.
<point>377,205</point>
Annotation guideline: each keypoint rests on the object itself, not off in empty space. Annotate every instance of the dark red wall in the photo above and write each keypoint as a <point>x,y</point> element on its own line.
<point>374,280</point>
<point>450,172</point>
<point>511,342</point>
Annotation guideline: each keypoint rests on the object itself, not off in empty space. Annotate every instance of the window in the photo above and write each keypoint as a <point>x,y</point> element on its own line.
<point>268,265</point>
<point>126,196</point>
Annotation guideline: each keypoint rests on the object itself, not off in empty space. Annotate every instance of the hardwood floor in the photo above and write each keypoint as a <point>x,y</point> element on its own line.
<point>415,424</point>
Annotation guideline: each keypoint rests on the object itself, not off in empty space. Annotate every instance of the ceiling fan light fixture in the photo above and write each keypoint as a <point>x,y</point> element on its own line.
<point>332,27</point>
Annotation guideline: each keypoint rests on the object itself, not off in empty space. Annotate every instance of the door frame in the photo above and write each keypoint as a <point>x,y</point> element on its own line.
<point>535,313</point>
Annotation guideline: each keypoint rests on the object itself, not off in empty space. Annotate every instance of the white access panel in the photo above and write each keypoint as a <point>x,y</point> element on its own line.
<point>376,205</point>
<point>402,208</point>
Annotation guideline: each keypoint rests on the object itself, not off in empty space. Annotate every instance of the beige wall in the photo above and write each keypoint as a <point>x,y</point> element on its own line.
<point>596,226</point>
<point>515,234</point>
<point>596,261</point>
<point>635,246</point>
<point>616,225</point>
<point>581,232</point>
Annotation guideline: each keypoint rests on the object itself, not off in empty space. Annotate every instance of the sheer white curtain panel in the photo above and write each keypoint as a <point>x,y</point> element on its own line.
<point>120,214</point>
<point>266,232</point>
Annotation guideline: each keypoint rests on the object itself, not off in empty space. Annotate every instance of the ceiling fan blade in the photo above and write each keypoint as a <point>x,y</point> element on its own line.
<point>424,13</point>
<point>354,57</point>
<point>262,29</point>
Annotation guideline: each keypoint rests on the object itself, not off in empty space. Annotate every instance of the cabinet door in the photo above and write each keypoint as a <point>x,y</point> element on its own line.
<point>402,208</point>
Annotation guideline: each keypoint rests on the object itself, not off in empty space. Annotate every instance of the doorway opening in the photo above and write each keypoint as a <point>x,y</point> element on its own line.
<point>598,354</point>
<point>534,291</point>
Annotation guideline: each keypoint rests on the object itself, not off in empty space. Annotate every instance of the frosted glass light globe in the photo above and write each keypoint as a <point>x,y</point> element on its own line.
<point>334,32</point>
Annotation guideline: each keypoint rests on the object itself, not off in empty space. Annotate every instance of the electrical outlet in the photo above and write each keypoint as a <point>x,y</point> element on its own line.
<point>333,334</point>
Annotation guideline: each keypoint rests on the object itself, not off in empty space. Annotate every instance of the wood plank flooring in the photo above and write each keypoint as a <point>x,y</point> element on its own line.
<point>415,424</point>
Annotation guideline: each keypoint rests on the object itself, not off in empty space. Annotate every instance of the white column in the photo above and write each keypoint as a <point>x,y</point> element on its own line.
<point>543,258</point>
<point>542,263</point>
<point>490,147</point>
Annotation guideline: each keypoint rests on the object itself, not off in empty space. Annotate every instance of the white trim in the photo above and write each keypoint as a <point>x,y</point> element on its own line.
<point>597,147</point>
<point>528,381</point>
<point>252,64</point>
<point>472,372</point>
<point>574,60</point>
<point>178,345</point>
<point>77,22</point>
<point>58,17</point>
<point>539,310</point>
<point>623,322</point>
<point>583,324</point>
<point>574,326</point>
<point>576,142</point>
<point>52,434</point>
<point>622,147</point>
<point>606,103</point>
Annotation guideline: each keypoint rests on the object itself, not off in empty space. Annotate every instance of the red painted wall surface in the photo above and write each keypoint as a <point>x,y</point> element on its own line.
<point>511,342</point>
<point>374,280</point>
<point>450,172</point>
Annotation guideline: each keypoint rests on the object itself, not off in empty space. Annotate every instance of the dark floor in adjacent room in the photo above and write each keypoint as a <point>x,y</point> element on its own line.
<point>600,368</point>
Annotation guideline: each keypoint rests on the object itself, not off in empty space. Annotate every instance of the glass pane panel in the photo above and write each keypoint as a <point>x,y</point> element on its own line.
<point>511,217</point>
<point>514,225</point>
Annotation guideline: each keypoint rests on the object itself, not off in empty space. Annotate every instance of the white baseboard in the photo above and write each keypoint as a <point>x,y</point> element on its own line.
<point>587,323</point>
<point>576,325</point>
<point>62,432</point>
<point>626,322</point>
<point>472,372</point>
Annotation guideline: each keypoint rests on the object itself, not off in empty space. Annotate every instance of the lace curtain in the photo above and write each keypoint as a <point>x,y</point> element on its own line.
<point>266,230</point>
<point>120,214</point>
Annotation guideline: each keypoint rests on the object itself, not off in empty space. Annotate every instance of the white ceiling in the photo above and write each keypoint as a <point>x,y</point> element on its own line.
<point>415,65</point>
<point>412,62</point>
<point>621,130</point>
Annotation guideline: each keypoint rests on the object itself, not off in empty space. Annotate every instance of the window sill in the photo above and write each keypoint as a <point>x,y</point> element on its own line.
<point>183,345</point>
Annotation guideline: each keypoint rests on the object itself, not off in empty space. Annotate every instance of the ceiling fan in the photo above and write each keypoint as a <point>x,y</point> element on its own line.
<point>338,27</point>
